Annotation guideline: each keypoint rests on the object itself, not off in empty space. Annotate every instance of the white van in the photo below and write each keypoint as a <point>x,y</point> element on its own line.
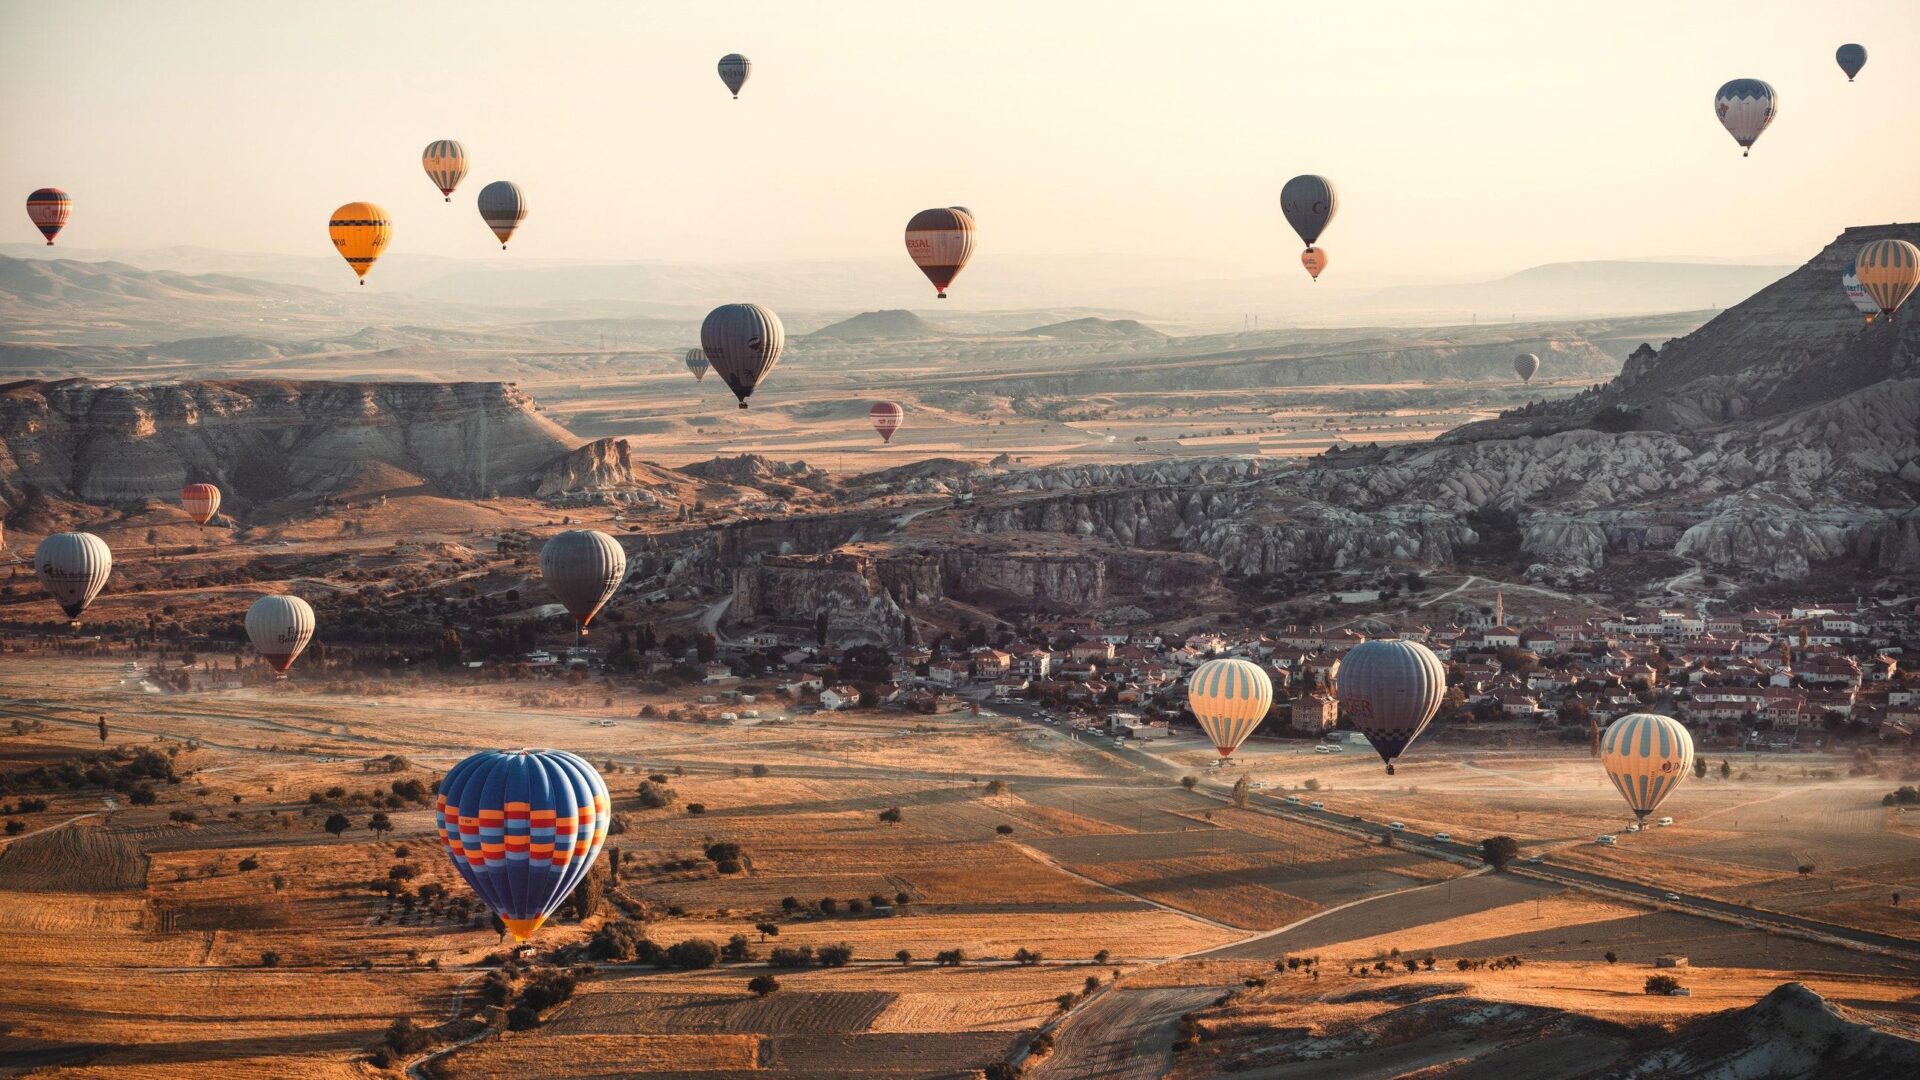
<point>1664,822</point>
<point>1606,838</point>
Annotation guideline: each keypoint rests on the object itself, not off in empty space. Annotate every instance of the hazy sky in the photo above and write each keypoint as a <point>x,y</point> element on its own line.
<point>1464,137</point>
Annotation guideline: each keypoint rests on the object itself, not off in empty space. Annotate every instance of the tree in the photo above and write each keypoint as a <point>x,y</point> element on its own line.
<point>1101,956</point>
<point>103,731</point>
<point>380,823</point>
<point>706,648</point>
<point>950,957</point>
<point>337,824</point>
<point>737,948</point>
<point>820,625</point>
<point>1611,958</point>
<point>1240,790</point>
<point>1726,770</point>
<point>692,954</point>
<point>762,985</point>
<point>1003,830</point>
<point>1498,851</point>
<point>767,930</point>
<point>1806,869</point>
<point>1699,768</point>
<point>1311,784</point>
<point>269,958</point>
<point>759,770</point>
<point>837,955</point>
<point>1189,782</point>
<point>904,956</point>
<point>1027,957</point>
<point>405,1038</point>
<point>828,905</point>
<point>891,815</point>
<point>1662,984</point>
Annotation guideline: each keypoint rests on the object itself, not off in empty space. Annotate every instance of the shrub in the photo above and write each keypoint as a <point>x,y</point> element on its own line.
<point>1611,958</point>
<point>404,1037</point>
<point>1026,956</point>
<point>15,828</point>
<point>838,955</point>
<point>655,795</point>
<point>723,850</point>
<point>785,956</point>
<point>1003,830</point>
<point>727,866</point>
<point>891,815</point>
<point>762,985</point>
<point>1189,782</point>
<point>1101,956</point>
<point>950,957</point>
<point>737,948</point>
<point>828,905</point>
<point>904,956</point>
<point>1662,984</point>
<point>789,904</point>
<point>1498,851</point>
<point>759,770</point>
<point>692,954</point>
<point>269,958</point>
<point>618,942</point>
<point>696,808</point>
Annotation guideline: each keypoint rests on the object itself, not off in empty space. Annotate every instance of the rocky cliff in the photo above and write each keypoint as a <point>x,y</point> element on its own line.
<point>797,588</point>
<point>264,441</point>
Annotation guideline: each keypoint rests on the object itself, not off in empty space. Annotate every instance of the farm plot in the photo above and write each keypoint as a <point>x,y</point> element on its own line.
<point>890,1054</point>
<point>75,859</point>
<point>1224,888</point>
<point>543,1053</point>
<point>791,1012</point>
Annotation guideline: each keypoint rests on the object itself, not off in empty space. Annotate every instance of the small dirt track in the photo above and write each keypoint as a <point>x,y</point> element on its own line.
<point>1126,1035</point>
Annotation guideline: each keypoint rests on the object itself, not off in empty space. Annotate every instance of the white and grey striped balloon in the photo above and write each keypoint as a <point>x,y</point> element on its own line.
<point>74,567</point>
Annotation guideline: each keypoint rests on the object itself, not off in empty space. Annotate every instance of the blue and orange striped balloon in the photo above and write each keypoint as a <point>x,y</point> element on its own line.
<point>523,828</point>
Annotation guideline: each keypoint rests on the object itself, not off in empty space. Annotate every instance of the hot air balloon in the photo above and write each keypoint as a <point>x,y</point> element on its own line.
<point>523,828</point>
<point>734,70</point>
<point>446,163</point>
<point>886,417</point>
<point>360,232</point>
<point>280,627</point>
<point>1315,260</point>
<point>200,501</point>
<point>1390,689</point>
<point>582,568</point>
<point>1851,59</point>
<point>49,208</point>
<point>1862,300</point>
<point>1745,108</point>
<point>969,213</point>
<point>1646,756</point>
<point>74,567</point>
<point>1526,365</point>
<point>940,241</point>
<point>743,343</point>
<point>503,206</point>
<point>1888,270</point>
<point>697,363</point>
<point>1229,698</point>
<point>1309,203</point>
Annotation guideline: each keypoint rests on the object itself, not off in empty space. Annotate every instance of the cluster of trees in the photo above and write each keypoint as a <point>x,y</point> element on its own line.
<point>130,772</point>
<point>1905,795</point>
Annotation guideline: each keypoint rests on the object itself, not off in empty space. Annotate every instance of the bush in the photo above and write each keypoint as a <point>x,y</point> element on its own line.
<point>1026,956</point>
<point>696,808</point>
<point>723,850</point>
<point>655,795</point>
<point>737,948</point>
<point>617,942</point>
<point>727,866</point>
<point>828,905</point>
<point>787,956</point>
<point>1003,830</point>
<point>15,828</point>
<point>269,958</point>
<point>891,815</point>
<point>692,954</point>
<point>405,1038</point>
<point>905,956</point>
<point>759,770</point>
<point>950,957</point>
<point>249,863</point>
<point>762,985</point>
<point>789,904</point>
<point>1189,782</point>
<point>1611,958</point>
<point>1498,851</point>
<point>835,955</point>
<point>1662,984</point>
<point>1101,956</point>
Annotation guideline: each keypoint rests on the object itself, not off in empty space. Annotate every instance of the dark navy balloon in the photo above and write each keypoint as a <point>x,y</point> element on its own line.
<point>523,828</point>
<point>1851,59</point>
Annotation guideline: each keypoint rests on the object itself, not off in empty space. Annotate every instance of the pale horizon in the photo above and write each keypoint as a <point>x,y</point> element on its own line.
<point>1536,136</point>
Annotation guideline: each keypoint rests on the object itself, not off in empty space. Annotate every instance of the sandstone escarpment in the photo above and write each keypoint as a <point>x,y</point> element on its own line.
<point>264,441</point>
<point>799,588</point>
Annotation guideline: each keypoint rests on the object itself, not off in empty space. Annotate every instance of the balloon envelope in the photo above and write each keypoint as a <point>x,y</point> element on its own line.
<point>940,241</point>
<point>523,828</point>
<point>1315,260</point>
<point>1863,301</point>
<point>1390,689</point>
<point>1745,108</point>
<point>1309,203</point>
<point>1646,756</point>
<point>697,363</point>
<point>49,208</point>
<point>503,206</point>
<point>360,232</point>
<point>1851,59</point>
<point>1888,270</point>
<point>1229,698</point>
<point>201,502</point>
<point>743,343</point>
<point>74,567</point>
<point>280,627</point>
<point>1526,365</point>
<point>886,416</point>
<point>734,70</point>
<point>583,568</point>
<point>446,163</point>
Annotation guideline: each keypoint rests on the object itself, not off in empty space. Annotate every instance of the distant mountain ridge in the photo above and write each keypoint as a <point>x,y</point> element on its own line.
<point>1096,329</point>
<point>895,324</point>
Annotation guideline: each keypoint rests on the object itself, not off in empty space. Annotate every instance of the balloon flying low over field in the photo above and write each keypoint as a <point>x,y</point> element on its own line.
<point>1390,688</point>
<point>887,417</point>
<point>200,501</point>
<point>74,567</point>
<point>523,827</point>
<point>1646,756</point>
<point>697,363</point>
<point>583,568</point>
<point>1229,698</point>
<point>280,627</point>
<point>1526,365</point>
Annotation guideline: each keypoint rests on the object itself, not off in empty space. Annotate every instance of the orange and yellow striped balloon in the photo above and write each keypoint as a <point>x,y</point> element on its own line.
<point>360,232</point>
<point>1888,270</point>
<point>1229,698</point>
<point>446,163</point>
<point>1646,756</point>
<point>200,501</point>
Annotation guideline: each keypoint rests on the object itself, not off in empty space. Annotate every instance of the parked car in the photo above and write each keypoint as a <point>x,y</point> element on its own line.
<point>1444,837</point>
<point>1295,799</point>
<point>1664,822</point>
<point>1396,826</point>
<point>1673,896</point>
<point>1317,806</point>
<point>1534,860</point>
<point>1323,748</point>
<point>1606,838</point>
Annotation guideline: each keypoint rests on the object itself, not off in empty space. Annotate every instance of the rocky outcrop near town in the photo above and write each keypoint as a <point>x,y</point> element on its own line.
<point>797,589</point>
<point>267,441</point>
